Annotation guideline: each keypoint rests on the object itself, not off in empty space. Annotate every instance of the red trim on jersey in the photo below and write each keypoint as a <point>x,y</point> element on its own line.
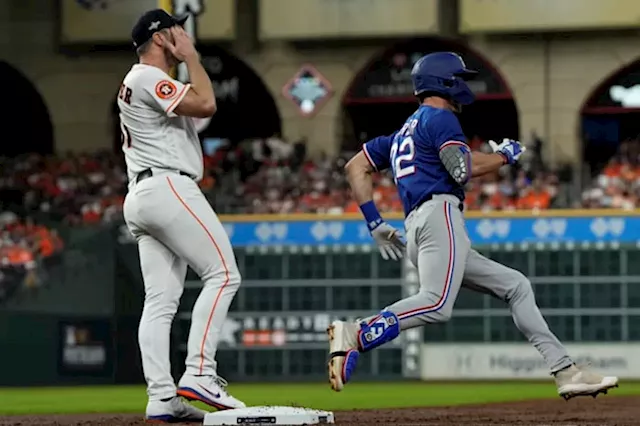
<point>366,154</point>
<point>453,143</point>
<point>177,100</point>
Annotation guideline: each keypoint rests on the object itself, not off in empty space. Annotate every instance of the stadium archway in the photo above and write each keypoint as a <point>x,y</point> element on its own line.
<point>246,108</point>
<point>380,97</point>
<point>26,124</point>
<point>611,115</point>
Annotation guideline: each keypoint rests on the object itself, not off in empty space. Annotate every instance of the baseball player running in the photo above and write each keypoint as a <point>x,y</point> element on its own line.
<point>431,163</point>
<point>170,218</point>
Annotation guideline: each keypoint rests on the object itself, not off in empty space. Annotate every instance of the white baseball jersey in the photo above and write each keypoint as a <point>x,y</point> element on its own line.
<point>153,135</point>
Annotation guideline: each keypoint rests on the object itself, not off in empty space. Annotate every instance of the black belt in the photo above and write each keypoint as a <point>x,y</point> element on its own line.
<point>147,173</point>
<point>430,197</point>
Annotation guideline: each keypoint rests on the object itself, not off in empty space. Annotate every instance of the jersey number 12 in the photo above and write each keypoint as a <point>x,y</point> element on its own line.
<point>402,156</point>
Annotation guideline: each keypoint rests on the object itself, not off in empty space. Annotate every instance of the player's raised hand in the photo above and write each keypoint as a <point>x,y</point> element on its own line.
<point>182,46</point>
<point>389,241</point>
<point>510,148</point>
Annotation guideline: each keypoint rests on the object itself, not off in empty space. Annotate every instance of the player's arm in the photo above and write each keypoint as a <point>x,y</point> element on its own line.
<point>374,157</point>
<point>455,155</point>
<point>482,164</point>
<point>359,171</point>
<point>463,164</point>
<point>200,100</point>
<point>165,95</point>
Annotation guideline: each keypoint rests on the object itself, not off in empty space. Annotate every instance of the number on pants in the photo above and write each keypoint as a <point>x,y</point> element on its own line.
<point>125,136</point>
<point>402,156</point>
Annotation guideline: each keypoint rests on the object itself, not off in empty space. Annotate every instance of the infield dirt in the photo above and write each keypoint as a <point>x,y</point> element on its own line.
<point>609,411</point>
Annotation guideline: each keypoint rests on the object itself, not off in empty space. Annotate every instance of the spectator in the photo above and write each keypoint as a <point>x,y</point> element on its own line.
<point>536,197</point>
<point>23,245</point>
<point>618,184</point>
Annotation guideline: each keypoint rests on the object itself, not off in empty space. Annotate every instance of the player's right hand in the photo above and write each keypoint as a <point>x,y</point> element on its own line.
<point>389,241</point>
<point>510,148</point>
<point>182,46</point>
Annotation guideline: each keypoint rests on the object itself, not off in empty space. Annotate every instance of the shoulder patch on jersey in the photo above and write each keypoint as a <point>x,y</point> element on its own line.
<point>166,89</point>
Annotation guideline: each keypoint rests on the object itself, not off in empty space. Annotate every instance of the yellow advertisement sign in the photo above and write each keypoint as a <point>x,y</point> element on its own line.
<point>483,16</point>
<point>309,19</point>
<point>110,21</point>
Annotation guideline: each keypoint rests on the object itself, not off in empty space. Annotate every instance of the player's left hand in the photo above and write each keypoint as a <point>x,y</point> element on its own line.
<point>389,241</point>
<point>510,148</point>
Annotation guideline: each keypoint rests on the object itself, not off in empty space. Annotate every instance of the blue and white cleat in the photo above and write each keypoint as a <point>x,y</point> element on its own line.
<point>343,352</point>
<point>174,410</point>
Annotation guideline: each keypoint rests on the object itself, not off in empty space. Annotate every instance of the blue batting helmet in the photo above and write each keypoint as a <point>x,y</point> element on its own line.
<point>443,73</point>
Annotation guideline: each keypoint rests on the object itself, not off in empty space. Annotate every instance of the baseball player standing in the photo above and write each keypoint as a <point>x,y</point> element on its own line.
<point>431,163</point>
<point>170,218</point>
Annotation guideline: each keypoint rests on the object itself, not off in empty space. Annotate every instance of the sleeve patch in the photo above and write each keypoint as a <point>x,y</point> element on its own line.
<point>166,89</point>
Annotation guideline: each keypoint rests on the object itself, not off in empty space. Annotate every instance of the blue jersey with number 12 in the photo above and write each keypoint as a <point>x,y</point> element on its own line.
<point>413,153</point>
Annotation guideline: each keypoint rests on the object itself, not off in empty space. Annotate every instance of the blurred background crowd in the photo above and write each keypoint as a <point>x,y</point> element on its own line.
<point>273,176</point>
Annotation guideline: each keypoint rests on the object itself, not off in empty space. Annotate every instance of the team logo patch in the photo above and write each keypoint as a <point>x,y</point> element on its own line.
<point>166,89</point>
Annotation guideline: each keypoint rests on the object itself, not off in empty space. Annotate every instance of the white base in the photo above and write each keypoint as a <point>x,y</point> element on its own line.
<point>269,416</point>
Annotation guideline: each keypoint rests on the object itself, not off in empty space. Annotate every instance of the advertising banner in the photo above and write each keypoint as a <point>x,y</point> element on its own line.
<point>521,361</point>
<point>316,230</point>
<point>501,229</point>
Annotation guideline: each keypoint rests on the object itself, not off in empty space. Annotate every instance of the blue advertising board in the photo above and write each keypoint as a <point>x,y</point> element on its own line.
<point>550,227</point>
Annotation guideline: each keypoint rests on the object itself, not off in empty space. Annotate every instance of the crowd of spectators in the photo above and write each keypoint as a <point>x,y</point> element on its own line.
<point>273,176</point>
<point>74,189</point>
<point>618,184</point>
<point>24,244</point>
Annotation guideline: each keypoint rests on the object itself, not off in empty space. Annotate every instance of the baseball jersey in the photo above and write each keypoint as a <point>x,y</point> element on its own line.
<point>413,154</point>
<point>153,135</point>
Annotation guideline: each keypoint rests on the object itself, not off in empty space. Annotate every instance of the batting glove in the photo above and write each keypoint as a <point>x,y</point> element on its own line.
<point>511,149</point>
<point>389,241</point>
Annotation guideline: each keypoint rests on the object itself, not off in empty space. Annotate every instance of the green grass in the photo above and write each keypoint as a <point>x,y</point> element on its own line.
<point>123,399</point>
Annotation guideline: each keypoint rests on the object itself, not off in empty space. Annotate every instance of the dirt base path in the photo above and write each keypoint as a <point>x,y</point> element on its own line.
<point>609,411</point>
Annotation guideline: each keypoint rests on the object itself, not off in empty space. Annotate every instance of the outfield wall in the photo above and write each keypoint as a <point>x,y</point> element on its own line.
<point>522,361</point>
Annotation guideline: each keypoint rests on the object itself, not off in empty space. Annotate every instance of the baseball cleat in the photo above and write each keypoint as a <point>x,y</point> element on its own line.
<point>174,410</point>
<point>576,381</point>
<point>343,353</point>
<point>208,389</point>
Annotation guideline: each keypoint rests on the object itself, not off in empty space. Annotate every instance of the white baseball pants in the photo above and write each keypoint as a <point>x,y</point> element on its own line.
<point>175,226</point>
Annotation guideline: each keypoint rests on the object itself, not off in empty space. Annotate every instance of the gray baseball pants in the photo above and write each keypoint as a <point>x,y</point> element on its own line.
<point>439,247</point>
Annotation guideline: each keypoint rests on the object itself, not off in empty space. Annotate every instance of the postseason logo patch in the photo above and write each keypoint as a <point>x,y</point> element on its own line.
<point>166,89</point>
